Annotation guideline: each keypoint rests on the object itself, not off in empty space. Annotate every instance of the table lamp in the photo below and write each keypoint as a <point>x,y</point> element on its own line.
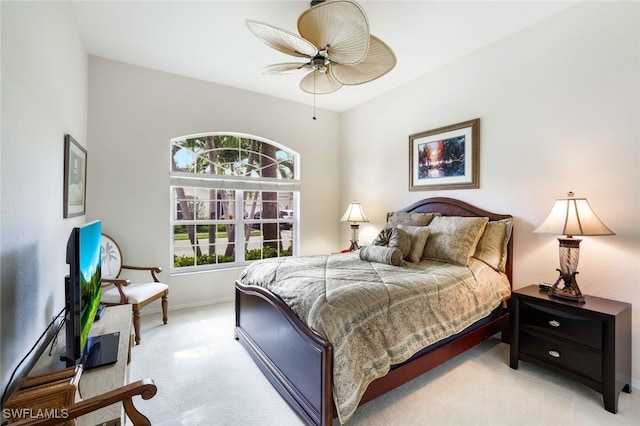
<point>571,216</point>
<point>354,214</point>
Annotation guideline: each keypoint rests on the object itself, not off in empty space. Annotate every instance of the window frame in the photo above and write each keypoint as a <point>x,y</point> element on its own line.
<point>239,184</point>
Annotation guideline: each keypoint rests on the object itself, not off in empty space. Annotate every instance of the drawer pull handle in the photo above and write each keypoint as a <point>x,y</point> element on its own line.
<point>554,323</point>
<point>554,354</point>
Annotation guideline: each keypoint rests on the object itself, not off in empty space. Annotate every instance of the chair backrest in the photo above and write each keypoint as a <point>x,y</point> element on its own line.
<point>111,257</point>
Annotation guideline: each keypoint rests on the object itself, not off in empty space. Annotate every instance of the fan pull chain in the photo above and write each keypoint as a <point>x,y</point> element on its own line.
<point>314,95</point>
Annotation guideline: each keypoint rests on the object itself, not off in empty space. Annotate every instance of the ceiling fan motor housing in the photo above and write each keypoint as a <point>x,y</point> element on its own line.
<point>320,63</point>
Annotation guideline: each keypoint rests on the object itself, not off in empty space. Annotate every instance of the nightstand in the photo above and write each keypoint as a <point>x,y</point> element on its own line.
<point>589,342</point>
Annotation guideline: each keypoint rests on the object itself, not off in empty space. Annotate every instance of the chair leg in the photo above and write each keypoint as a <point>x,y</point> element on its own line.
<point>165,307</point>
<point>136,323</point>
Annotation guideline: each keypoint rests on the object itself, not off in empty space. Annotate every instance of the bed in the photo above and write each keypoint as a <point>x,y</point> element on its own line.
<point>308,368</point>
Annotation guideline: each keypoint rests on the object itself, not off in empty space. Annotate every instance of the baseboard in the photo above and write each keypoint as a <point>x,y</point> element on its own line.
<point>149,310</point>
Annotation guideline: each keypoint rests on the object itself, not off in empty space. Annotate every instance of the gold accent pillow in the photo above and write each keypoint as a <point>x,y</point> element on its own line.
<point>381,254</point>
<point>492,246</point>
<point>419,235</point>
<point>453,239</point>
<point>409,218</point>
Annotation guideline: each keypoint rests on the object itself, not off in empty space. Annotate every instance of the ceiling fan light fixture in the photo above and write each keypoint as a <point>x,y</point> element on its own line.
<point>320,64</point>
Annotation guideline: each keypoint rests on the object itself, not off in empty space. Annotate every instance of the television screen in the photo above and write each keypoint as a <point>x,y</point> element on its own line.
<point>83,286</point>
<point>83,291</point>
<point>90,281</point>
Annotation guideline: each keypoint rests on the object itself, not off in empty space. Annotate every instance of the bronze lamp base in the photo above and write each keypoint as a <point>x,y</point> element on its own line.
<point>354,237</point>
<point>354,246</point>
<point>569,290</point>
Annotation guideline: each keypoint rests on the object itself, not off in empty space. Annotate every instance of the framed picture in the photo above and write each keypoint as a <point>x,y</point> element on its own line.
<point>445,158</point>
<point>75,177</point>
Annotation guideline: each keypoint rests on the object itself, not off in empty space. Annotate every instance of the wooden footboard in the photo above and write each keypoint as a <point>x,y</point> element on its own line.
<point>297,361</point>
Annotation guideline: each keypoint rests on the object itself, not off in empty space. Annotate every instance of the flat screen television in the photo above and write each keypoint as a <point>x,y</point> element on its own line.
<point>83,289</point>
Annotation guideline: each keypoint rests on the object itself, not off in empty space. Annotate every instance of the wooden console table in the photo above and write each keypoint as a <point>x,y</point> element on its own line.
<point>102,379</point>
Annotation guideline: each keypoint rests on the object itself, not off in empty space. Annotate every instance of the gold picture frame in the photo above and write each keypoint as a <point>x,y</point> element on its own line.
<point>445,158</point>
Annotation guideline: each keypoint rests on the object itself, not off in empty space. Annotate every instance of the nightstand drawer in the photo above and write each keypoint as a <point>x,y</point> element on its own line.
<point>579,359</point>
<point>570,327</point>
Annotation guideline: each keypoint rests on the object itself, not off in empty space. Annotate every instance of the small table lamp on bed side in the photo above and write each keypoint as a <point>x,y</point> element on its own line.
<point>354,214</point>
<point>571,216</point>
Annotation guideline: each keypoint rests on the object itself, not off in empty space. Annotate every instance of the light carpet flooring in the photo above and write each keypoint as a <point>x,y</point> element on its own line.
<point>205,377</point>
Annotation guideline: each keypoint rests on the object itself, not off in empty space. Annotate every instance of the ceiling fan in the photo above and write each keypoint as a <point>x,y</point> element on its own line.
<point>336,44</point>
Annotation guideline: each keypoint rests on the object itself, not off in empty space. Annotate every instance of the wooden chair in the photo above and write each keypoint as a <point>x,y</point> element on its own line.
<point>146,388</point>
<point>119,291</point>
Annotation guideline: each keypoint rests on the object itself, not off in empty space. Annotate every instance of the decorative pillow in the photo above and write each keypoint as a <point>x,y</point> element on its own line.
<point>380,254</point>
<point>419,235</point>
<point>492,246</point>
<point>453,239</point>
<point>394,238</point>
<point>409,218</point>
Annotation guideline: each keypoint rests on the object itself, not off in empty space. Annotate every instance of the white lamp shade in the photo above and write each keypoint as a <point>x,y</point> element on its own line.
<point>354,213</point>
<point>573,216</point>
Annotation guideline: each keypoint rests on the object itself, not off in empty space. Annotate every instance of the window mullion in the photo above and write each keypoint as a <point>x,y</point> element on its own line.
<point>238,229</point>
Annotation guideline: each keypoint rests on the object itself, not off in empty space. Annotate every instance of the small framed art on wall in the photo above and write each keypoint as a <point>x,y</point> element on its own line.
<point>75,177</point>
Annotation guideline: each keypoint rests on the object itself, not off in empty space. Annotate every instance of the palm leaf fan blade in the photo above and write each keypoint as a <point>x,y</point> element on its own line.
<point>340,26</point>
<point>282,40</point>
<point>319,83</point>
<point>284,68</point>
<point>379,61</point>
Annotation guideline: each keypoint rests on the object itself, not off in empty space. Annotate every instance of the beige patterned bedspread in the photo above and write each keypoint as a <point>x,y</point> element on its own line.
<point>374,314</point>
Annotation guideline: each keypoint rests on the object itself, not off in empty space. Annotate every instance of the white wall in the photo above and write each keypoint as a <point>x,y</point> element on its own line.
<point>44,96</point>
<point>559,110</point>
<point>134,112</point>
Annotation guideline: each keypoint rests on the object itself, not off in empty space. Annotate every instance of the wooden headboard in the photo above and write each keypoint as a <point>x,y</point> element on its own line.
<point>452,207</point>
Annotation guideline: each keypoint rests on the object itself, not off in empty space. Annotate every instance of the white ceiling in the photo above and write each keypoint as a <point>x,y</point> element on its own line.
<point>208,40</point>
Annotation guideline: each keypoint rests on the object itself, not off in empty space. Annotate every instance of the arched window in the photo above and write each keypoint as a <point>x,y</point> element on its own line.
<point>234,199</point>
